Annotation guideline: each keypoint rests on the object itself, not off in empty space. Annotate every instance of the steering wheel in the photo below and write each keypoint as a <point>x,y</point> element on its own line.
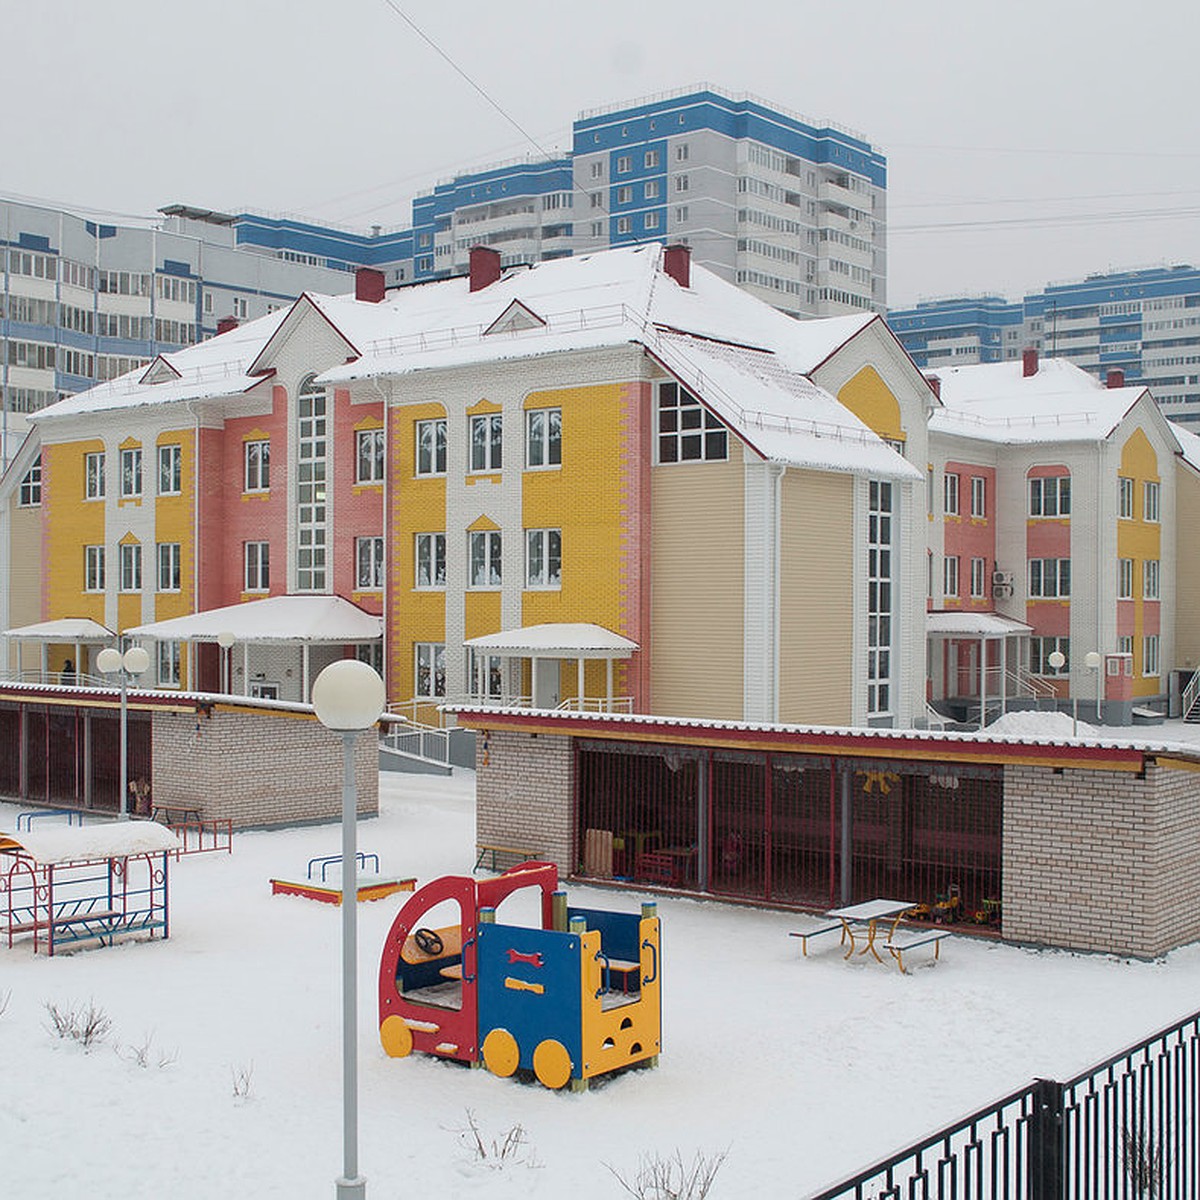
<point>429,941</point>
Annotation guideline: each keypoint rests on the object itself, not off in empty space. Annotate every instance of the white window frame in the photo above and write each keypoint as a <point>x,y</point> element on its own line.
<point>168,663</point>
<point>430,456</point>
<point>1125,579</point>
<point>429,557</point>
<point>369,564</point>
<point>1049,496</point>
<point>170,566</point>
<point>543,439</point>
<point>93,475</point>
<point>1151,496</point>
<point>624,164</point>
<point>1046,576</point>
<point>651,158</point>
<point>369,456</point>
<point>1151,650</point>
<point>623,225</point>
<point>687,431</point>
<point>543,559</point>
<point>170,468</point>
<point>486,433</point>
<point>30,493</point>
<point>256,465</point>
<point>978,496</point>
<point>1125,498</point>
<point>978,578</point>
<point>93,568</point>
<point>131,473</point>
<point>650,220</point>
<point>950,494</point>
<point>881,595</point>
<point>429,670</point>
<point>625,194</point>
<point>129,556</point>
<point>485,559</point>
<point>256,566</point>
<point>1150,579</point>
<point>1040,649</point>
<point>950,579</point>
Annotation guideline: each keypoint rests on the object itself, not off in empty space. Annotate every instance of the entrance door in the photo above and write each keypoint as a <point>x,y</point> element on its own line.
<point>545,683</point>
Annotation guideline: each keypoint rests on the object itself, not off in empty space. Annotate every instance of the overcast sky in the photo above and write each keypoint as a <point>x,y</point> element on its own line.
<point>1028,141</point>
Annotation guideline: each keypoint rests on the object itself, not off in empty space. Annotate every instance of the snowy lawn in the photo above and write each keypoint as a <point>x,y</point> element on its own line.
<point>803,1070</point>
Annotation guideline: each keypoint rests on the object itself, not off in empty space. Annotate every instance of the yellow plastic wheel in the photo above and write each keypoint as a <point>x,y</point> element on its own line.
<point>501,1054</point>
<point>396,1037</point>
<point>552,1063</point>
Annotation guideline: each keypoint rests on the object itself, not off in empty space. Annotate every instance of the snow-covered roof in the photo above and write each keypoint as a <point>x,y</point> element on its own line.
<point>82,843</point>
<point>565,640</point>
<point>1189,445</point>
<point>973,624</point>
<point>66,629</point>
<point>275,619</point>
<point>997,402</point>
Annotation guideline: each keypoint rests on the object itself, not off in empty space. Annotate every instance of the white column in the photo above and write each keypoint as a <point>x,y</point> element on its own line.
<point>982,682</point>
<point>608,682</point>
<point>580,686</point>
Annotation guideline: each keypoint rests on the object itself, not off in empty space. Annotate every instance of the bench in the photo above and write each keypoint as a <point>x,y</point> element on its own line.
<point>804,935</point>
<point>519,854</point>
<point>899,947</point>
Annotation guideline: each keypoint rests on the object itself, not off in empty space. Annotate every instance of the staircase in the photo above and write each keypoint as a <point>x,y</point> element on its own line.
<point>410,746</point>
<point>1191,700</point>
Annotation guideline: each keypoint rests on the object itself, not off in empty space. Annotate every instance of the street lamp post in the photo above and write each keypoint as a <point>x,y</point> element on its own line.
<point>1095,662</point>
<point>134,661</point>
<point>349,697</point>
<point>1057,659</point>
<point>225,640</point>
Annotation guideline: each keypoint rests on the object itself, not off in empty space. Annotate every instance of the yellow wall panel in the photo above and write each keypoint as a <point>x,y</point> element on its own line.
<point>871,401</point>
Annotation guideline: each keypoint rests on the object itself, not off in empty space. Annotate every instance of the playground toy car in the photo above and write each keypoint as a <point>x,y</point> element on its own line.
<point>577,998</point>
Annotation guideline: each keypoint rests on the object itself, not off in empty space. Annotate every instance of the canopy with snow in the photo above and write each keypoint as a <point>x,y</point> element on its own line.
<point>88,843</point>
<point>66,631</point>
<point>545,646</point>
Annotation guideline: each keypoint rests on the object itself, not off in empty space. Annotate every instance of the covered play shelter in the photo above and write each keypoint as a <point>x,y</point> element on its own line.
<point>80,634</point>
<point>270,648</point>
<point>66,884</point>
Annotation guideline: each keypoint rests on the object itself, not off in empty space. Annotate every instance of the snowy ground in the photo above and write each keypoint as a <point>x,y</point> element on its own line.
<point>803,1070</point>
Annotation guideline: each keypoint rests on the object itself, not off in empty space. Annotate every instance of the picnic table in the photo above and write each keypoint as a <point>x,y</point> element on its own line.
<point>865,918</point>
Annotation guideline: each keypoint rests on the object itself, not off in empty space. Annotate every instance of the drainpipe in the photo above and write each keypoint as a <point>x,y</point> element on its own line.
<point>847,833</point>
<point>1100,508</point>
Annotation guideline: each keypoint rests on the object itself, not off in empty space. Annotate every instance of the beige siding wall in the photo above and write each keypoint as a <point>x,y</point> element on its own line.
<point>697,588</point>
<point>25,578</point>
<point>1187,568</point>
<point>816,620</point>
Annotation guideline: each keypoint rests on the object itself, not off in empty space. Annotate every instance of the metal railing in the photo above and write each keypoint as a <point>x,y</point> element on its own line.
<point>1126,1129</point>
<point>420,741</point>
<point>597,704</point>
<point>1190,694</point>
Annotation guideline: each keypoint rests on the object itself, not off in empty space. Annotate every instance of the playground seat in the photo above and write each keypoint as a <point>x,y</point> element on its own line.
<point>654,867</point>
<point>805,934</point>
<point>898,947</point>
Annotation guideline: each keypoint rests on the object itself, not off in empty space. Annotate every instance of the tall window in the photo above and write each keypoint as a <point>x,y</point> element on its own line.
<point>978,496</point>
<point>1150,664</point>
<point>487,675</point>
<point>543,442</point>
<point>879,598</point>
<point>485,559</point>
<point>1049,578</point>
<point>368,555</point>
<point>1040,649</point>
<point>430,670</point>
<point>950,494</point>
<point>978,572</point>
<point>257,456</point>
<point>1150,579</point>
<point>169,572</point>
<point>369,456</point>
<point>1150,505</point>
<point>687,431</point>
<point>131,567</point>
<point>256,557</point>
<point>168,664</point>
<point>486,442</point>
<point>170,470</point>
<point>431,447</point>
<point>1125,579</point>
<point>30,494</point>
<point>93,475</point>
<point>1126,499</point>
<point>311,462</point>
<point>431,560</point>
<point>950,575</point>
<point>93,568</point>
<point>131,473</point>
<point>543,558</point>
<point>1050,496</point>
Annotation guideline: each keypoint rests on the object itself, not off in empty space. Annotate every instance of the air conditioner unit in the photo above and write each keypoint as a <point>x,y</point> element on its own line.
<point>1001,591</point>
<point>1002,579</point>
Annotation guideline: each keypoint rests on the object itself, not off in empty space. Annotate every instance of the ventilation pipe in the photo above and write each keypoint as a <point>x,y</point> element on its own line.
<point>485,267</point>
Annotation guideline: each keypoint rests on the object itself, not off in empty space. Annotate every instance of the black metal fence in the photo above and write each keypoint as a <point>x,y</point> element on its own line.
<point>1123,1130</point>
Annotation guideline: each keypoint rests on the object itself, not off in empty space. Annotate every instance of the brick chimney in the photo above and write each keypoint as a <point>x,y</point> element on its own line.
<point>369,285</point>
<point>485,267</point>
<point>677,262</point>
<point>935,384</point>
<point>225,324</point>
<point>1115,378</point>
<point>1029,361</point>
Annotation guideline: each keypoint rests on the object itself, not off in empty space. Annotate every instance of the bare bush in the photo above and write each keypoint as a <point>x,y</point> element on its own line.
<point>242,1079</point>
<point>87,1025</point>
<point>5,998</point>
<point>508,1148</point>
<point>148,1055</point>
<point>670,1178</point>
<point>1144,1162</point>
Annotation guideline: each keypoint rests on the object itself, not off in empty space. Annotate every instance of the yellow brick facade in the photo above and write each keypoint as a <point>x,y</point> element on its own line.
<point>1140,540</point>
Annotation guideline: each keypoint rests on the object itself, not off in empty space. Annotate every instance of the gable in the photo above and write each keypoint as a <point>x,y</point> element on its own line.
<point>871,400</point>
<point>516,318</point>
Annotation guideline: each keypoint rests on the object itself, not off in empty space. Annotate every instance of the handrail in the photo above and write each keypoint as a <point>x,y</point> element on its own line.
<point>1190,694</point>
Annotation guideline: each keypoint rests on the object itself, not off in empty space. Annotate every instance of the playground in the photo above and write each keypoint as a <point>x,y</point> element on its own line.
<point>224,1047</point>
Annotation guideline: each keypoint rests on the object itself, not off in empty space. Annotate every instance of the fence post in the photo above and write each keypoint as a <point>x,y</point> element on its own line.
<point>1046,1177</point>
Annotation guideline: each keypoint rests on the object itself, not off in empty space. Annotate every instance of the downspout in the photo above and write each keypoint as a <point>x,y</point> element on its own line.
<point>777,471</point>
<point>192,655</point>
<point>1099,560</point>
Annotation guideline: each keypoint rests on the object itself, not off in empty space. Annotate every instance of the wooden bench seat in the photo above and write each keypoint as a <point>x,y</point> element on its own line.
<point>518,854</point>
<point>805,934</point>
<point>898,947</point>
